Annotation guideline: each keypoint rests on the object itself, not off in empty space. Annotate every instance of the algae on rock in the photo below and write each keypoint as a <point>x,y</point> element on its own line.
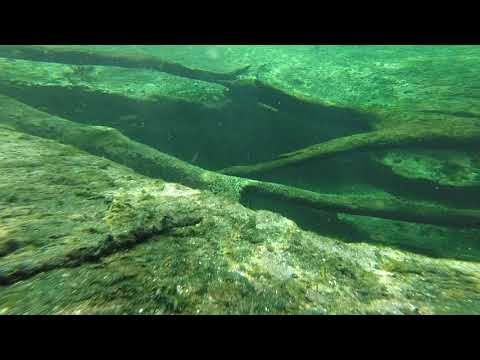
<point>87,235</point>
<point>81,56</point>
<point>192,252</point>
<point>442,134</point>
<point>112,144</point>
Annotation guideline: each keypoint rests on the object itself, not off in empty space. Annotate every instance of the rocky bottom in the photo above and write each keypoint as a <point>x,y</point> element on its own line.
<point>80,234</point>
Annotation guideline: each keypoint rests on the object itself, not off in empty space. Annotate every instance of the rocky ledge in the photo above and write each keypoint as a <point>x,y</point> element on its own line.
<point>80,234</point>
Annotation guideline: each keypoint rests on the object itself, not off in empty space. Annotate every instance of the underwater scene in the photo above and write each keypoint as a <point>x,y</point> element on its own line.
<point>239,179</point>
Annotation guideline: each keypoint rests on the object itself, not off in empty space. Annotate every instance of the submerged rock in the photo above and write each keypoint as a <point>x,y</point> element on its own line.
<point>80,234</point>
<point>94,237</point>
<point>441,167</point>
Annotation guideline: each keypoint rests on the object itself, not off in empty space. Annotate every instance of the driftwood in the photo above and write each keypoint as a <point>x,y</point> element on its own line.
<point>442,134</point>
<point>111,144</point>
<point>82,56</point>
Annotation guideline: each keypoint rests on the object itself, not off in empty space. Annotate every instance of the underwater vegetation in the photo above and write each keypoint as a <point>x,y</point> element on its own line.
<point>239,180</point>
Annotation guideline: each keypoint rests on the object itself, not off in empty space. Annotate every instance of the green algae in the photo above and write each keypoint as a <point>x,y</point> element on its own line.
<point>85,235</point>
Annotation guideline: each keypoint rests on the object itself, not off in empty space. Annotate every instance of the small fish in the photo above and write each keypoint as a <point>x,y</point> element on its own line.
<point>195,157</point>
<point>268,107</point>
<point>171,136</point>
<point>129,117</point>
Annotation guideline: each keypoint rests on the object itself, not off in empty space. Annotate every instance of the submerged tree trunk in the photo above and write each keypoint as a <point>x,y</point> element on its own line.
<point>110,143</point>
<point>81,56</point>
<point>441,134</point>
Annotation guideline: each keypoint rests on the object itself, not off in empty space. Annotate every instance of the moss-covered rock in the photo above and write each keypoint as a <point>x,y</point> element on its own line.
<point>398,82</point>
<point>178,250</point>
<point>87,235</point>
<point>205,123</point>
<point>443,167</point>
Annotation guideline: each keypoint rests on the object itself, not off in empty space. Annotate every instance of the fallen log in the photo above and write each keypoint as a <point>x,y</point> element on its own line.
<point>83,56</point>
<point>446,133</point>
<point>110,143</point>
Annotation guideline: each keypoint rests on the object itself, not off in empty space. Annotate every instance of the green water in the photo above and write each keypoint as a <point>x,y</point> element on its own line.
<point>363,156</point>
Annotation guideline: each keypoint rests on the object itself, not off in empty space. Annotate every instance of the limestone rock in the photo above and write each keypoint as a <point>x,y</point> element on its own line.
<point>191,252</point>
<point>446,168</point>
